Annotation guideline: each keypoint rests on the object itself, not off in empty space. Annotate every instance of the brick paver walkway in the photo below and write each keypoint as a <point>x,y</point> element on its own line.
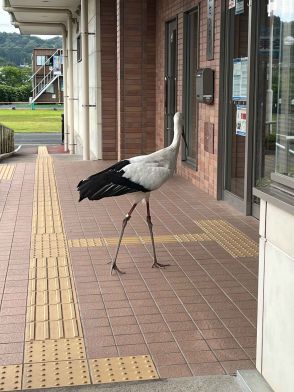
<point>196,317</point>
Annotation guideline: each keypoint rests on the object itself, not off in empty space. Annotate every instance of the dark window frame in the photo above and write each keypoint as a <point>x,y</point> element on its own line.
<point>79,48</point>
<point>187,74</point>
<point>168,121</point>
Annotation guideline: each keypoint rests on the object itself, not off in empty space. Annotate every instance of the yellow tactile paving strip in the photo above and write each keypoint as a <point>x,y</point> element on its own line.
<point>227,236</point>
<point>6,172</point>
<point>48,317</point>
<point>231,239</point>
<point>54,353</point>
<point>106,241</point>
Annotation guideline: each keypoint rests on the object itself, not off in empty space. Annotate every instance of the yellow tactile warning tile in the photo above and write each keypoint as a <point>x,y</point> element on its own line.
<point>55,374</point>
<point>55,350</point>
<point>54,353</point>
<point>120,369</point>
<point>49,245</point>
<point>108,241</point>
<point>6,172</point>
<point>10,377</point>
<point>231,239</point>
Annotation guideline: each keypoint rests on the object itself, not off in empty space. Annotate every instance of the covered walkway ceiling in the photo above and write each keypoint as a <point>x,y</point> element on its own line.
<point>35,16</point>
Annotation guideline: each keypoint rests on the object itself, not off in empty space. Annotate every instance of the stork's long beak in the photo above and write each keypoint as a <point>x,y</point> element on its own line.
<point>185,141</point>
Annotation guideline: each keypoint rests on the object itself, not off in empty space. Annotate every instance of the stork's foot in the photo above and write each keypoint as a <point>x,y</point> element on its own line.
<point>159,265</point>
<point>114,267</point>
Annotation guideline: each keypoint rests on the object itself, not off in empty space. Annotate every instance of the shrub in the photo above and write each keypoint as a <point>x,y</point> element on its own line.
<point>14,94</point>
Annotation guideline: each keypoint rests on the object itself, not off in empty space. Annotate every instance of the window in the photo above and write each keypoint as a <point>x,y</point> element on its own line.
<point>50,89</point>
<point>49,61</point>
<point>45,60</point>
<point>285,89</point>
<point>275,110</point>
<point>79,48</point>
<point>41,60</point>
<point>191,46</point>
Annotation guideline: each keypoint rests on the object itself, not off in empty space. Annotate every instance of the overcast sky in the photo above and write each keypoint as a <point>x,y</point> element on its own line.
<point>7,27</point>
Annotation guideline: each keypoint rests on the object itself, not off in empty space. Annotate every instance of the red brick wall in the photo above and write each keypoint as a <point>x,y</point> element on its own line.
<point>136,77</point>
<point>206,175</point>
<point>108,78</point>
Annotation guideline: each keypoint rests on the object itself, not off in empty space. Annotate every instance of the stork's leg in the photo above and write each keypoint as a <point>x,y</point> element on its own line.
<point>150,225</point>
<point>124,223</point>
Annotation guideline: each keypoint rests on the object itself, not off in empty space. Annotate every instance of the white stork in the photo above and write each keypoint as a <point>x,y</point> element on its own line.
<point>141,174</point>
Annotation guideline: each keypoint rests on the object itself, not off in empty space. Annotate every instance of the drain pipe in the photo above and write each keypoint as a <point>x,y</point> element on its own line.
<point>85,80</point>
<point>70,81</point>
<point>65,92</point>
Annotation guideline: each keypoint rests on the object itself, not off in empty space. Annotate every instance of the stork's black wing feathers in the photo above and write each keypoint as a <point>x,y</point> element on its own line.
<point>109,182</point>
<point>116,167</point>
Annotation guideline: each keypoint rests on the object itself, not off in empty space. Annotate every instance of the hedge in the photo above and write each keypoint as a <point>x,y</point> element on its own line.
<point>14,94</point>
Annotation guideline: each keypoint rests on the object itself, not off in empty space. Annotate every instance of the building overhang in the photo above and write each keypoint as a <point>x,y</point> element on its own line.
<point>41,17</point>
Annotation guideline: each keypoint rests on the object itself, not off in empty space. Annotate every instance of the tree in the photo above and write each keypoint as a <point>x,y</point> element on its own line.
<point>15,76</point>
<point>17,48</point>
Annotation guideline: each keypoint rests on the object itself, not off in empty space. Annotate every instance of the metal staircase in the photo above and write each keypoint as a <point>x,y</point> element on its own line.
<point>48,77</point>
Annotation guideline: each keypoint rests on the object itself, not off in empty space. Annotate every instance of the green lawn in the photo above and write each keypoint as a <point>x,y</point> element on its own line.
<point>31,120</point>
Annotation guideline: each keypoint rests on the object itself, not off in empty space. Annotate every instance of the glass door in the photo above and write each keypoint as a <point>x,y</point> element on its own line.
<point>236,58</point>
<point>274,120</point>
<point>170,80</point>
<point>266,98</point>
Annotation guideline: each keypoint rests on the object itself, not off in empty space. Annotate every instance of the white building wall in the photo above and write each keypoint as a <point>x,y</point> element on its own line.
<point>94,79</point>
<point>275,342</point>
<point>78,137</point>
<point>94,84</point>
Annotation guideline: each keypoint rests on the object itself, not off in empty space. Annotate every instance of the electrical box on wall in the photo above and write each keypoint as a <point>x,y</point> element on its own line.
<point>204,85</point>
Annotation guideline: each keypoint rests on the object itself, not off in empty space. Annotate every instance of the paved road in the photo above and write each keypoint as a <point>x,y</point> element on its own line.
<point>37,138</point>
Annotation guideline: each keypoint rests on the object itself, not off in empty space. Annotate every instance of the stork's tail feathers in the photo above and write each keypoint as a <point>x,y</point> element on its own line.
<point>84,188</point>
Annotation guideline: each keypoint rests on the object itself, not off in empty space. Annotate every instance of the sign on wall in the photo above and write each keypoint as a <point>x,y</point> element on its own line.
<point>241,120</point>
<point>210,30</point>
<point>240,70</point>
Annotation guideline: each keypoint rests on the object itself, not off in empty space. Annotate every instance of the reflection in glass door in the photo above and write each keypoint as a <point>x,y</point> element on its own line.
<point>236,99</point>
<point>267,96</point>
<point>170,79</point>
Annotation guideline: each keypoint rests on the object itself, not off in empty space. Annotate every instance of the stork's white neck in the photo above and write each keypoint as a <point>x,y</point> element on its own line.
<point>177,136</point>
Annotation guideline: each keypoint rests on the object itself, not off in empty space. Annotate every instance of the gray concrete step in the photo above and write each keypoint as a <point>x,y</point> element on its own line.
<point>183,384</point>
<point>252,381</point>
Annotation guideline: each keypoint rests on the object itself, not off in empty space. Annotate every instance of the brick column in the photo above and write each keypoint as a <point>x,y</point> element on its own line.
<point>108,78</point>
<point>135,77</point>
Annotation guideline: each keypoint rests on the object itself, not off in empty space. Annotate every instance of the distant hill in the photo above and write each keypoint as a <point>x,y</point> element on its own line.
<point>16,49</point>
